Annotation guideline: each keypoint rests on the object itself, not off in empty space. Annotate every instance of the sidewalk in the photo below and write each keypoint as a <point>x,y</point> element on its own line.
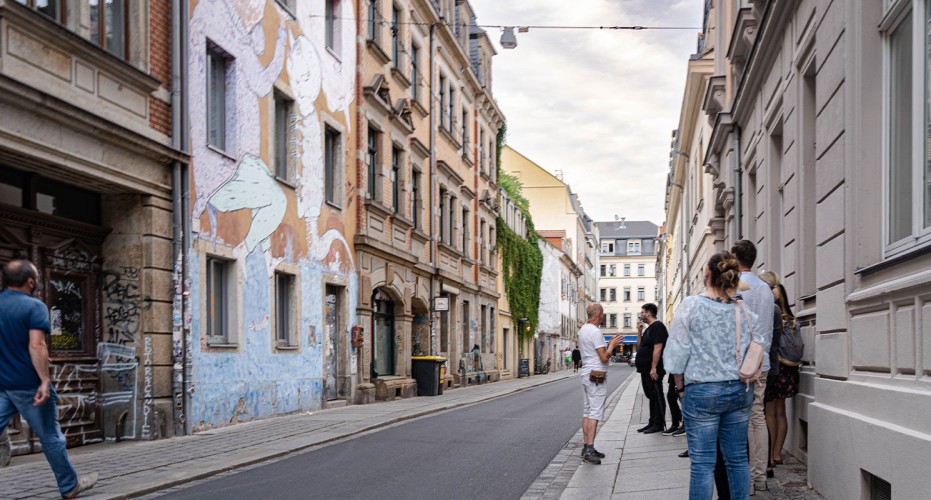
<point>639,466</point>
<point>135,468</point>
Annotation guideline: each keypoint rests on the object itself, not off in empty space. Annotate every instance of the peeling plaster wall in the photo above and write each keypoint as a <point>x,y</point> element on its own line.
<point>550,295</point>
<point>242,212</point>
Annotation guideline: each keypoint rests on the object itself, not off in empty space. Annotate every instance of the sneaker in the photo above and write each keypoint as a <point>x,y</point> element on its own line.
<point>589,458</point>
<point>596,453</point>
<point>684,454</point>
<point>653,430</point>
<point>644,428</point>
<point>84,483</point>
<point>679,432</point>
<point>670,431</point>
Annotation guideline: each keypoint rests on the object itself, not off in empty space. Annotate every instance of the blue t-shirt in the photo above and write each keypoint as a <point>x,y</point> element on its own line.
<point>19,313</point>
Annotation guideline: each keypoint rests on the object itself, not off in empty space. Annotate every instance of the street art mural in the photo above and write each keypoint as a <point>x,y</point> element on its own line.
<point>264,223</point>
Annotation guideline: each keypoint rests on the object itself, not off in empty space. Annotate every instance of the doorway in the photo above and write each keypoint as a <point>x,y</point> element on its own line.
<point>332,313</point>
<point>382,334</point>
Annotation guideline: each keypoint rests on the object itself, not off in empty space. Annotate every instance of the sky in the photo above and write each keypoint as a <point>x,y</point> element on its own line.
<point>599,105</point>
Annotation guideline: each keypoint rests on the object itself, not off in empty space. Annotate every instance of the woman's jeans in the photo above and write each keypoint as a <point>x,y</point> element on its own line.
<point>43,420</point>
<point>718,411</point>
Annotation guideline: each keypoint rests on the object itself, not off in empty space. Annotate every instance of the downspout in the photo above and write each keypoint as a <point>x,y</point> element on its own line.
<point>433,244</point>
<point>181,368</point>
<point>738,186</point>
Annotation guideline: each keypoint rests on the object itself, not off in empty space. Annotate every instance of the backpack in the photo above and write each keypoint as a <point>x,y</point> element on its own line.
<point>791,345</point>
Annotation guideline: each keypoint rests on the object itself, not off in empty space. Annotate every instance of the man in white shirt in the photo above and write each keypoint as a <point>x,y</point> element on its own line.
<point>595,356</point>
<point>759,299</point>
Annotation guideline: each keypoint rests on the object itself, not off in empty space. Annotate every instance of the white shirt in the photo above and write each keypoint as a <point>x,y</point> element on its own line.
<point>590,339</point>
<point>759,300</point>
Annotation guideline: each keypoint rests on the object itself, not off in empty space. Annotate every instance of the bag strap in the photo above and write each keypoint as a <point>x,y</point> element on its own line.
<point>737,316</point>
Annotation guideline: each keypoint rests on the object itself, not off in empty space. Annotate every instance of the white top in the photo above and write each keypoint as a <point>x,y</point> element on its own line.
<point>759,300</point>
<point>590,339</point>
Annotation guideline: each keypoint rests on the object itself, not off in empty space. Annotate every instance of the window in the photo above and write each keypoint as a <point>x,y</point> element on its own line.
<point>415,199</point>
<point>465,233</point>
<point>396,180</point>
<point>612,320</point>
<point>614,295</point>
<point>217,66</point>
<point>626,269</point>
<point>372,23</point>
<point>604,294</point>
<point>107,30</point>
<point>607,247</point>
<point>331,162</point>
<point>395,38</point>
<point>626,294</point>
<point>217,297</point>
<point>482,242</point>
<point>452,109</point>
<point>641,270</point>
<point>52,8</point>
<point>465,132</point>
<point>284,287</point>
<point>626,320</point>
<point>442,101</point>
<point>415,72</point>
<point>372,161</point>
<point>284,126</point>
<point>332,26</point>
<point>908,162</point>
<point>604,270</point>
<point>33,192</point>
<point>452,221</point>
<point>612,270</point>
<point>442,214</point>
<point>641,294</point>
<point>481,151</point>
<point>633,247</point>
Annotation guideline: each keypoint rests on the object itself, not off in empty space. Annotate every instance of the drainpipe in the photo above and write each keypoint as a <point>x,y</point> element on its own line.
<point>433,245</point>
<point>738,187</point>
<point>181,370</point>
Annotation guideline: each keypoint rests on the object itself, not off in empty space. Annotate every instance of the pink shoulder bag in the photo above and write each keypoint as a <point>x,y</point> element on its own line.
<point>752,365</point>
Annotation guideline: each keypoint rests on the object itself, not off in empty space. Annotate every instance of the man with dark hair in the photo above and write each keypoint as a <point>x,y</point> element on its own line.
<point>24,372</point>
<point>758,297</point>
<point>650,367</point>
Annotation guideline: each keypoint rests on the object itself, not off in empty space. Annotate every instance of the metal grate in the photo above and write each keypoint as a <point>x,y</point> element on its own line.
<point>880,489</point>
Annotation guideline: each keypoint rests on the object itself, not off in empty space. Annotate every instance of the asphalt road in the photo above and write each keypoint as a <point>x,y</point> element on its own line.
<point>494,449</point>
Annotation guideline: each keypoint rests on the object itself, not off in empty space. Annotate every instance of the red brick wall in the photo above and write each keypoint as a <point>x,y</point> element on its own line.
<point>160,62</point>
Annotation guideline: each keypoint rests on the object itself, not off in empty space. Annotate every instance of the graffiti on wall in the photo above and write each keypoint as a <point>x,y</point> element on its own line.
<point>118,367</point>
<point>123,304</point>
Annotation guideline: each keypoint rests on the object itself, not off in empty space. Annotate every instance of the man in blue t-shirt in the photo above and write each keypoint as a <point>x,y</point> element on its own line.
<point>24,372</point>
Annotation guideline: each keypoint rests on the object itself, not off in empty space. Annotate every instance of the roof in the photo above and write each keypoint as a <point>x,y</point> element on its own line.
<point>552,233</point>
<point>632,229</point>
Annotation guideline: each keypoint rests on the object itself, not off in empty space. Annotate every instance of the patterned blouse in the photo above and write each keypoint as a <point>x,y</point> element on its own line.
<point>703,340</point>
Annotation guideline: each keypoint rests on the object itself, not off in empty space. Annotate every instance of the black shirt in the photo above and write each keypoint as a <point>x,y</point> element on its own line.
<point>656,333</point>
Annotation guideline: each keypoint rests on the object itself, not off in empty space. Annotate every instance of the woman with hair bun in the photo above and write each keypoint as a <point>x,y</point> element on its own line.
<point>704,353</point>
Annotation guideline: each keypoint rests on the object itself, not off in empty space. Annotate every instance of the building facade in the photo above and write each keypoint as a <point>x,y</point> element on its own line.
<point>561,294</point>
<point>627,276</point>
<point>91,158</point>
<point>817,155</point>
<point>510,346</point>
<point>425,179</point>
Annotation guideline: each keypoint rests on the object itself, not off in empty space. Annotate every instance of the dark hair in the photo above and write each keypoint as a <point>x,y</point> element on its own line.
<point>725,272</point>
<point>17,272</point>
<point>745,251</point>
<point>650,308</point>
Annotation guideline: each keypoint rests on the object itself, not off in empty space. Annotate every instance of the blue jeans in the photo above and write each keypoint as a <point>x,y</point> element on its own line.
<point>718,411</point>
<point>43,420</point>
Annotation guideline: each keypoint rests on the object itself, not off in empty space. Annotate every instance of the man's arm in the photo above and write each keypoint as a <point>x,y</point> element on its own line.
<point>39,354</point>
<point>604,353</point>
<point>657,353</point>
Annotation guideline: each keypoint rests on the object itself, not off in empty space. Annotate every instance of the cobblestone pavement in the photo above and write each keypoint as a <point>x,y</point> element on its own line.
<point>640,466</point>
<point>130,469</point>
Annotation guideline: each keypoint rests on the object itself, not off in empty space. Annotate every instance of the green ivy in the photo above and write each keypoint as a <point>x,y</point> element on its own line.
<point>521,259</point>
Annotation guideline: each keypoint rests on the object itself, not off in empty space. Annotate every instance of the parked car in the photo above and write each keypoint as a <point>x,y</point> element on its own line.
<point>632,360</point>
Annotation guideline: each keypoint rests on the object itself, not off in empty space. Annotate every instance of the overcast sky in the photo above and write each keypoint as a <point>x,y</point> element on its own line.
<point>598,105</point>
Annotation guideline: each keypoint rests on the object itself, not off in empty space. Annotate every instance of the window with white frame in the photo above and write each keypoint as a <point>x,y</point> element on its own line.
<point>641,269</point>
<point>217,298</point>
<point>395,37</point>
<point>331,18</point>
<point>415,72</point>
<point>396,179</point>
<point>908,161</point>
<point>627,320</point>
<point>331,160</point>
<point>372,20</point>
<point>613,296</point>
<point>626,269</point>
<point>607,247</point>
<point>218,65</point>
<point>641,294</point>
<point>612,270</point>
<point>612,321</point>
<point>633,247</point>
<point>604,270</point>
<point>284,309</point>
<point>626,294</point>
<point>604,294</point>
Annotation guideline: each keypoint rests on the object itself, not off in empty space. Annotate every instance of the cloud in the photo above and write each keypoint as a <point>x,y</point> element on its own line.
<point>600,105</point>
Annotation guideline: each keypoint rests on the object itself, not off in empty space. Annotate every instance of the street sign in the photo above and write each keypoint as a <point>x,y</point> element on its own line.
<point>441,304</point>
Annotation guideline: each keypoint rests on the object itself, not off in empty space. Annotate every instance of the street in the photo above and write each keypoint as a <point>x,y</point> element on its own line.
<point>493,449</point>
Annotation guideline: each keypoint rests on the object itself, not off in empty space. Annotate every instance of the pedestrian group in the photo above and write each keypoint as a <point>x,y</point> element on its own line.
<point>732,355</point>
